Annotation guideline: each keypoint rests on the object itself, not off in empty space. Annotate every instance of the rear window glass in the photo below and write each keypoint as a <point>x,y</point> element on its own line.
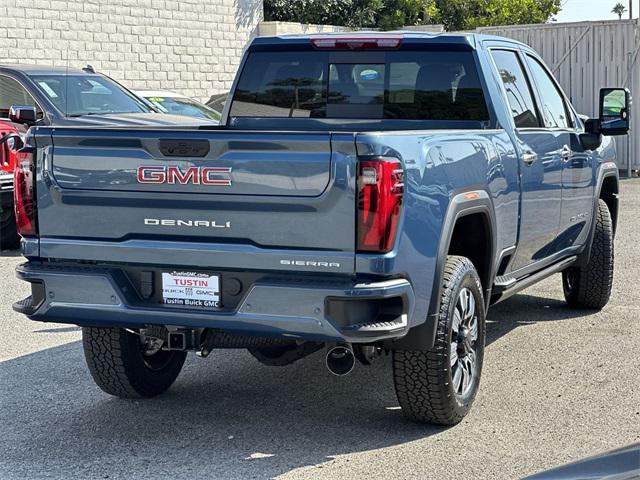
<point>402,85</point>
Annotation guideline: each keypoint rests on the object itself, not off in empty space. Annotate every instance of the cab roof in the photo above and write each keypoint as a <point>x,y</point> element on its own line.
<point>458,40</point>
<point>30,69</point>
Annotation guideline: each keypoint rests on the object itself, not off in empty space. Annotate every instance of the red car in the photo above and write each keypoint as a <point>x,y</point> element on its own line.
<point>8,235</point>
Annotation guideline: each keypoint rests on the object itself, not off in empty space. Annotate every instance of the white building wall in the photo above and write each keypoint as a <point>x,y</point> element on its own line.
<point>190,46</point>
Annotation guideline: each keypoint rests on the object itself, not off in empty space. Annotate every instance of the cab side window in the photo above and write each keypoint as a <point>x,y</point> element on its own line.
<point>12,93</point>
<point>553,106</point>
<point>518,89</point>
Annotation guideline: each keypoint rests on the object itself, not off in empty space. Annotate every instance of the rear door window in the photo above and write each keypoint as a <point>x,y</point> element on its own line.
<point>426,85</point>
<point>517,88</point>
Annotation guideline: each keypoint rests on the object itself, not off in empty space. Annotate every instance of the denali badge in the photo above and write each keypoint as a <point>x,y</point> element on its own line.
<point>192,175</point>
<point>309,263</point>
<point>168,222</point>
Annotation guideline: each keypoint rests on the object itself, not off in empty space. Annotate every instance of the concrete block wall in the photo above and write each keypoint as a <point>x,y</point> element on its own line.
<point>189,46</point>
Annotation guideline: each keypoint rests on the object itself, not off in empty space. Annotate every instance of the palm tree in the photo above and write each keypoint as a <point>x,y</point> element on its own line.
<point>619,9</point>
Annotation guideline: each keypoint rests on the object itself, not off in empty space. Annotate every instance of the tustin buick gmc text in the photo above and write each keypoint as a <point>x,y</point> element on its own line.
<point>365,194</point>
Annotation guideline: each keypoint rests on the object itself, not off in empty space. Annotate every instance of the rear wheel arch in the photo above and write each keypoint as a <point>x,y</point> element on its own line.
<point>476,247</point>
<point>466,208</point>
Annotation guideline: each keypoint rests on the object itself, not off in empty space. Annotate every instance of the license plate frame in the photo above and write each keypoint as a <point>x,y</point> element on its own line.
<point>191,289</point>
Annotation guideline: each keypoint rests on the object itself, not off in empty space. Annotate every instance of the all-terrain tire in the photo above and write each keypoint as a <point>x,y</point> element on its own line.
<point>424,379</point>
<point>119,367</point>
<point>589,286</point>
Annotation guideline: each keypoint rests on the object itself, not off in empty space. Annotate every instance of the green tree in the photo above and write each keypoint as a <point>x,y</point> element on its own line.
<point>469,14</point>
<point>619,10</point>
<point>404,13</point>
<point>392,14</point>
<point>350,13</point>
<point>381,14</point>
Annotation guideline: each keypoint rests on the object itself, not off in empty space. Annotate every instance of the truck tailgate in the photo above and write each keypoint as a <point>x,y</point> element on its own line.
<point>177,196</point>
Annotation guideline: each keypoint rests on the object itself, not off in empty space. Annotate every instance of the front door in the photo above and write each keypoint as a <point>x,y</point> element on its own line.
<point>577,164</point>
<point>540,163</point>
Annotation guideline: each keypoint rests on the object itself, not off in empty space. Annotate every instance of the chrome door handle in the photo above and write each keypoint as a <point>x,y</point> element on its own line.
<point>529,157</point>
<point>566,153</point>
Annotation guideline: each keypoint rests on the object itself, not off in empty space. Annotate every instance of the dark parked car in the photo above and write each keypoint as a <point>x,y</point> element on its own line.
<point>70,96</point>
<point>45,96</point>
<point>621,464</point>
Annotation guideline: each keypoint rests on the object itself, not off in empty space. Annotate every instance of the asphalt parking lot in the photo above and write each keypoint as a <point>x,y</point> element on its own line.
<point>558,384</point>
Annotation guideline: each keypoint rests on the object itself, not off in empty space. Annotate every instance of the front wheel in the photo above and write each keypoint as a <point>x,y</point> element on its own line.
<point>590,286</point>
<point>123,366</point>
<point>439,386</point>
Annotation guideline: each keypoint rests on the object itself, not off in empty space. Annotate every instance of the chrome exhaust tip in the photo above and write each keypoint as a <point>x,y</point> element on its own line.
<point>340,360</point>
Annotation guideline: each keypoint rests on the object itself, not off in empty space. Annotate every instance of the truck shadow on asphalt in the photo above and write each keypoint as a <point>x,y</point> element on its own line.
<point>523,309</point>
<point>226,417</point>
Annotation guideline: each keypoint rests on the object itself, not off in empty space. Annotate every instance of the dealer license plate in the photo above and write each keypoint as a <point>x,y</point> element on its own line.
<point>191,289</point>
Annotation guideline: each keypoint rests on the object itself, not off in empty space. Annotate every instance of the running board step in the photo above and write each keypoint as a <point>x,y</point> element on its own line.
<point>373,328</point>
<point>517,286</point>
<point>503,283</point>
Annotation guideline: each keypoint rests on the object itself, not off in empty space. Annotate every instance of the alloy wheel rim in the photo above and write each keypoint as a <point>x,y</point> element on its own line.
<point>464,339</point>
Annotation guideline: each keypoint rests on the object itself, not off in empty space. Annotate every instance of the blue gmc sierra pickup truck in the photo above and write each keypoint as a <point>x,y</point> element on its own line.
<point>366,194</point>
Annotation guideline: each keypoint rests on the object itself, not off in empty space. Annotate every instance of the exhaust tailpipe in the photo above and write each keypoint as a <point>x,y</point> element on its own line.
<point>340,360</point>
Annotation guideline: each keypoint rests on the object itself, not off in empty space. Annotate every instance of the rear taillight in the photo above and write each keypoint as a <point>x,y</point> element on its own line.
<point>380,192</point>
<point>356,43</point>
<point>23,193</point>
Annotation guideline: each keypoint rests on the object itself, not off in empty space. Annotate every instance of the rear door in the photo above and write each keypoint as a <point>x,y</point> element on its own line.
<point>190,196</point>
<point>540,162</point>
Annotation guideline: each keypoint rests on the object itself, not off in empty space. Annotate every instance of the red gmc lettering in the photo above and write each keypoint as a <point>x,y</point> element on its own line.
<point>208,172</point>
<point>175,175</point>
<point>151,174</point>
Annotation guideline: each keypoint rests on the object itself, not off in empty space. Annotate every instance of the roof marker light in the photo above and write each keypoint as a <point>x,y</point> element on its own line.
<point>356,43</point>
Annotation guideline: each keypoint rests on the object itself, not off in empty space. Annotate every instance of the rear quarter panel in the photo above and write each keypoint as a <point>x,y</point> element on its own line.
<point>438,166</point>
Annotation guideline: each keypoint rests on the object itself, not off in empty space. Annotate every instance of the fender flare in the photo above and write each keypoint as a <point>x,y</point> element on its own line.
<point>462,204</point>
<point>606,170</point>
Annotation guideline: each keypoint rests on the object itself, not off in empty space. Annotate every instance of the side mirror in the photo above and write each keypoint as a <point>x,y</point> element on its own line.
<point>22,114</point>
<point>13,140</point>
<point>591,139</point>
<point>614,111</point>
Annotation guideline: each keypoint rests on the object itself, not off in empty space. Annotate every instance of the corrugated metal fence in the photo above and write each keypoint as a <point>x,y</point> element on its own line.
<point>588,56</point>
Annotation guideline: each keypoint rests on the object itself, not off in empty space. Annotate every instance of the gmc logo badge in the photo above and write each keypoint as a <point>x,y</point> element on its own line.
<point>177,175</point>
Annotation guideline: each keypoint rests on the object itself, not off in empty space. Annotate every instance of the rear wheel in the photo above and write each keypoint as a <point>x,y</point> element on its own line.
<point>439,386</point>
<point>123,366</point>
<point>589,286</point>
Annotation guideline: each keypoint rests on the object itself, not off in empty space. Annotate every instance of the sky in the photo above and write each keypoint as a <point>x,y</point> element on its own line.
<point>579,10</point>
